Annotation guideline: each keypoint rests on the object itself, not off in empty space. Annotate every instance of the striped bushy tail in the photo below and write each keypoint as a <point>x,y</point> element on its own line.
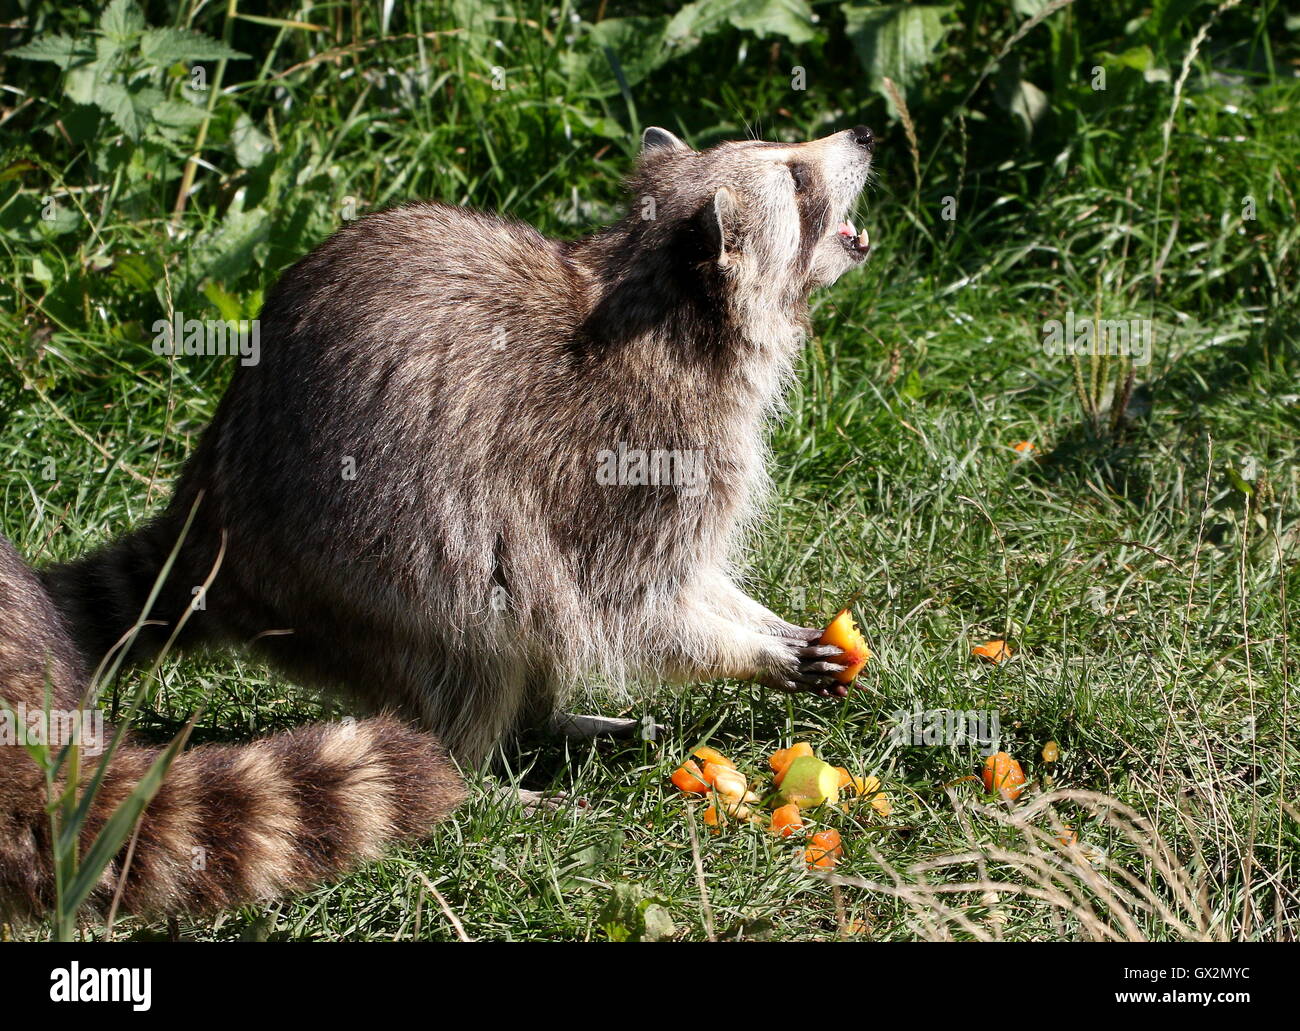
<point>234,824</point>
<point>230,824</point>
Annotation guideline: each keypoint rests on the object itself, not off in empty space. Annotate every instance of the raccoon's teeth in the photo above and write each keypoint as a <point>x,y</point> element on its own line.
<point>864,241</point>
<point>846,229</point>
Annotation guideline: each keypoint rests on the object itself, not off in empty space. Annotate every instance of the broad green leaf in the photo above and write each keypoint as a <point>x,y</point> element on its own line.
<point>656,923</point>
<point>896,41</point>
<point>163,47</point>
<point>80,84</point>
<point>131,109</point>
<point>228,306</point>
<point>136,270</point>
<point>792,19</point>
<point>121,21</point>
<point>228,252</point>
<point>177,114</point>
<point>251,144</point>
<point>1026,102</point>
<point>61,50</point>
<point>628,915</point>
<point>637,43</point>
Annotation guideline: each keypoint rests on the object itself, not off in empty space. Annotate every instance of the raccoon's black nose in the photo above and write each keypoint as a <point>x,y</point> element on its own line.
<point>863,137</point>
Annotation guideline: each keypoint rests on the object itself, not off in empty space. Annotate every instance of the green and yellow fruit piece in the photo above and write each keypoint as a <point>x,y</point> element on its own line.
<point>809,782</point>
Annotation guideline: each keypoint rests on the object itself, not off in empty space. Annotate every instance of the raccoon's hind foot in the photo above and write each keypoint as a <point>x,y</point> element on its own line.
<point>577,727</point>
<point>806,667</point>
<point>538,801</point>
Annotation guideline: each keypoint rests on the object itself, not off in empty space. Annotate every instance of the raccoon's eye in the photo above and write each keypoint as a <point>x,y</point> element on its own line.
<point>799,173</point>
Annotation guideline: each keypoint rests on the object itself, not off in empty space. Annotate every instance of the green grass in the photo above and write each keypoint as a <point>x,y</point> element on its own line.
<point>1147,579</point>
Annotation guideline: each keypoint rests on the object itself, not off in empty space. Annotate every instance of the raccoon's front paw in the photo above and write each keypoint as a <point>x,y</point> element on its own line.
<point>796,666</point>
<point>793,631</point>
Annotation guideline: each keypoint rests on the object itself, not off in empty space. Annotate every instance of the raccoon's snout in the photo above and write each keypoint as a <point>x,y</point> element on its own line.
<point>863,137</point>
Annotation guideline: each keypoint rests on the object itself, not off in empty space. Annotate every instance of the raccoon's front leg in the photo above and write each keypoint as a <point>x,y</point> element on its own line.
<point>730,600</point>
<point>707,640</point>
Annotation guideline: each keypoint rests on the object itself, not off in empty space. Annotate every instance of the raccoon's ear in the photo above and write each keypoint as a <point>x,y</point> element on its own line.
<point>655,138</point>
<point>721,219</point>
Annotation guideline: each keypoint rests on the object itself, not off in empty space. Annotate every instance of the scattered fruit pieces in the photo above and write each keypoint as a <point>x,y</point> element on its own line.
<point>1004,775</point>
<point>993,651</point>
<point>782,758</point>
<point>688,778</point>
<point>1051,752</point>
<point>809,782</point>
<point>845,635</point>
<point>786,821</point>
<point>730,785</point>
<point>1068,836</point>
<point>711,755</point>
<point>824,850</point>
<point>716,817</point>
<point>864,788</point>
<point>1025,447</point>
<point>803,782</point>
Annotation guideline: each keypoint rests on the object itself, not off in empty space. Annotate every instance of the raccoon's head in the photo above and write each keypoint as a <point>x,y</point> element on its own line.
<point>773,217</point>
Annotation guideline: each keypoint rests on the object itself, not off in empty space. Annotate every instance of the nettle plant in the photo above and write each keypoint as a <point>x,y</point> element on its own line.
<point>132,110</point>
<point>151,82</point>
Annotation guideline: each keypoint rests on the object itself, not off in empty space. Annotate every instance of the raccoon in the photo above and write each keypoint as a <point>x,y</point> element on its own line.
<point>231,824</point>
<point>476,467</point>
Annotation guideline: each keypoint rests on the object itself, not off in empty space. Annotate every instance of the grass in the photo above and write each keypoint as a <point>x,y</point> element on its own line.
<point>1147,578</point>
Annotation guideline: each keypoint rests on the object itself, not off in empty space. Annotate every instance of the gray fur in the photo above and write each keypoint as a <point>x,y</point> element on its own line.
<point>473,370</point>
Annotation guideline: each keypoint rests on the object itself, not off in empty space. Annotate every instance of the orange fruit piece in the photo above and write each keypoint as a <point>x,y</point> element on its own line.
<point>1051,752</point>
<point>786,820</point>
<point>688,778</point>
<point>711,755</point>
<point>1003,775</point>
<point>1025,446</point>
<point>824,850</point>
<point>782,758</point>
<point>845,635</point>
<point>993,651</point>
<point>713,771</point>
<point>866,788</point>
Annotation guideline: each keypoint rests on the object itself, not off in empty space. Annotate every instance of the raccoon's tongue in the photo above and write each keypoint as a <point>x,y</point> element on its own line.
<point>861,240</point>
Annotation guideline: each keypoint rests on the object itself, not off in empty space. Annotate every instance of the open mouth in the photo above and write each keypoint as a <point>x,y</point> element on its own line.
<point>857,244</point>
